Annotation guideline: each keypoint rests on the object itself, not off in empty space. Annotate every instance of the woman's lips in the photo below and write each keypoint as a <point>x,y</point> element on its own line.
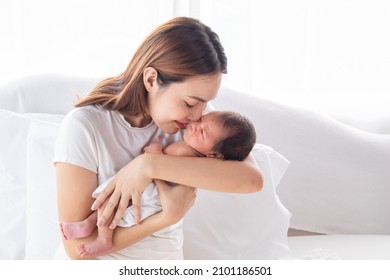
<point>181,125</point>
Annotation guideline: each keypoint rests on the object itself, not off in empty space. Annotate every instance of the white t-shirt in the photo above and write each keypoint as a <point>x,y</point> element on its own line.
<point>103,141</point>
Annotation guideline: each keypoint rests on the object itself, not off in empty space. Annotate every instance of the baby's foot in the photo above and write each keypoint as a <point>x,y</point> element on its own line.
<point>93,248</point>
<point>75,230</point>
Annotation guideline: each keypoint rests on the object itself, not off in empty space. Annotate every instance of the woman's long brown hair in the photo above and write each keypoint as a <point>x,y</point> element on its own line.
<point>178,49</point>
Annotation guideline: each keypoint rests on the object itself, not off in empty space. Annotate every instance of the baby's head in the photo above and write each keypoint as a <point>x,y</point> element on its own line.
<point>222,134</point>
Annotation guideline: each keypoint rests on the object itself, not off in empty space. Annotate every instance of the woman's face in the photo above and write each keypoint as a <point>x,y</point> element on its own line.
<point>173,107</point>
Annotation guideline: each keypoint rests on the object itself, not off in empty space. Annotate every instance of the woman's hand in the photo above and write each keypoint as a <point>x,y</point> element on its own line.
<point>127,185</point>
<point>175,201</point>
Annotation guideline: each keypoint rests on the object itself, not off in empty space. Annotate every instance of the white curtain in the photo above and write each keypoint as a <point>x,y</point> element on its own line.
<point>329,55</point>
<point>76,37</point>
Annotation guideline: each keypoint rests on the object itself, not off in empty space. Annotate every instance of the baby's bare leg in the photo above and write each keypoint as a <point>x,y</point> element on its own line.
<point>73,230</point>
<point>102,243</point>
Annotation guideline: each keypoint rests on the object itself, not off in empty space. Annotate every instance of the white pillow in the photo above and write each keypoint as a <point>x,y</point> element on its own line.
<point>48,94</point>
<point>240,226</point>
<point>14,213</point>
<point>339,180</point>
<point>14,128</point>
<point>42,236</point>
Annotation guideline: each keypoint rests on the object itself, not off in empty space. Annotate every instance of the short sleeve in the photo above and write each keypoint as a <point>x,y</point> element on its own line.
<point>76,143</point>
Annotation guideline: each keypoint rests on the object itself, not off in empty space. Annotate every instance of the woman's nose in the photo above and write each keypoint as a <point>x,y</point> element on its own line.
<point>196,113</point>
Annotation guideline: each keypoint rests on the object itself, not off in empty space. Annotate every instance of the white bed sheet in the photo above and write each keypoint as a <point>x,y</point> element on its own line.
<point>345,247</point>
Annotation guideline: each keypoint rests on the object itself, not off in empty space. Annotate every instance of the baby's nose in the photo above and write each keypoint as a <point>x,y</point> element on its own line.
<point>193,126</point>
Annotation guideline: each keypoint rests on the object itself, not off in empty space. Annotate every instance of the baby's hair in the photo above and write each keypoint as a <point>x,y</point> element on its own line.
<point>241,136</point>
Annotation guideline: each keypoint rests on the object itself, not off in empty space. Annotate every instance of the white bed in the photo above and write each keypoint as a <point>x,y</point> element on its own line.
<point>321,176</point>
<point>343,247</point>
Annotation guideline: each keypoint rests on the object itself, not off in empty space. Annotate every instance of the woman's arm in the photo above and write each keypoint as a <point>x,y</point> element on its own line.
<point>208,173</point>
<point>74,188</point>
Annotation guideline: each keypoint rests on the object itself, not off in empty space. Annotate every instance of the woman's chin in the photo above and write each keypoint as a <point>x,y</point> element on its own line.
<point>171,129</point>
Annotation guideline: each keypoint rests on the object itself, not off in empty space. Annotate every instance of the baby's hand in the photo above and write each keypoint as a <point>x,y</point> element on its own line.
<point>154,148</point>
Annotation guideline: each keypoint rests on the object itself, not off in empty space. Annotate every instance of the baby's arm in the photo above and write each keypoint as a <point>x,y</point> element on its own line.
<point>154,148</point>
<point>179,149</point>
<point>174,149</point>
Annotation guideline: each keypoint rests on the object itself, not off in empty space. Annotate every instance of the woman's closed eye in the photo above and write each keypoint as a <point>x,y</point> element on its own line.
<point>188,105</point>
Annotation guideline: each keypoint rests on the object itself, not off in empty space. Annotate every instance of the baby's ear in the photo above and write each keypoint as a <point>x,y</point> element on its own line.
<point>215,155</point>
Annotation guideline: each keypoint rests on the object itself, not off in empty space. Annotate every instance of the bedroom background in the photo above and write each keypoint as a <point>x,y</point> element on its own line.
<point>298,62</point>
<point>331,56</point>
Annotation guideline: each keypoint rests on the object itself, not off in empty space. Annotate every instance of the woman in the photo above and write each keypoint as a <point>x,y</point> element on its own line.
<point>170,79</point>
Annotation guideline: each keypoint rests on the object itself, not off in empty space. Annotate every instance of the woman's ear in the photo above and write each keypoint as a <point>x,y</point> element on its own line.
<point>150,79</point>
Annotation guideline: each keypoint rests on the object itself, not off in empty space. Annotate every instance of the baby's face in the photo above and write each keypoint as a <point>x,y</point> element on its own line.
<point>204,134</point>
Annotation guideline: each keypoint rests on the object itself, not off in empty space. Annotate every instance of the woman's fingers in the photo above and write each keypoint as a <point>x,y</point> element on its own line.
<point>103,195</point>
<point>112,203</point>
<point>136,202</point>
<point>120,210</point>
<point>113,197</point>
<point>128,184</point>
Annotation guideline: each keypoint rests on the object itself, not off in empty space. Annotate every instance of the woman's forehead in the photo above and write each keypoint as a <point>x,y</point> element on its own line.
<point>202,88</point>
